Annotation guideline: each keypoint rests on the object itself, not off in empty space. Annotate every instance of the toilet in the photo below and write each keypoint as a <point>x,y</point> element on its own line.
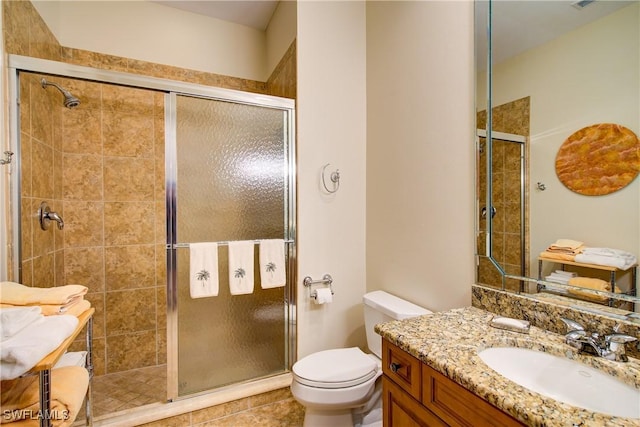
<point>340,387</point>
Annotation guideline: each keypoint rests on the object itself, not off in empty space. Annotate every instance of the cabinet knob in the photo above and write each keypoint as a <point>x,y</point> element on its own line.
<point>394,367</point>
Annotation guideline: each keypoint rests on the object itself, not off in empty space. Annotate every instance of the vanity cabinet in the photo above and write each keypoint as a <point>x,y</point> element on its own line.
<point>414,394</point>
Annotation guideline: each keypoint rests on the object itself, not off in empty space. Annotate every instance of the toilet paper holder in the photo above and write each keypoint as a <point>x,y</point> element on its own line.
<point>326,280</point>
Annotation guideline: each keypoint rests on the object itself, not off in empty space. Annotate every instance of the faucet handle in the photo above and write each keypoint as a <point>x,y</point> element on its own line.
<point>616,344</point>
<point>620,338</point>
<point>572,325</point>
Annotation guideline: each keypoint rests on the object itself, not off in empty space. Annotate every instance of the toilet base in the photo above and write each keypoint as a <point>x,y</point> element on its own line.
<point>316,418</point>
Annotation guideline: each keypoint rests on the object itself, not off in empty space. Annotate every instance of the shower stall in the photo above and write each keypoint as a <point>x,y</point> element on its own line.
<point>507,209</point>
<point>138,168</point>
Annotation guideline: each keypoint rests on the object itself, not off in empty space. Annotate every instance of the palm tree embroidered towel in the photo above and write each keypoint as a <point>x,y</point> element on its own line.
<point>203,259</point>
<point>241,267</point>
<point>272,265</point>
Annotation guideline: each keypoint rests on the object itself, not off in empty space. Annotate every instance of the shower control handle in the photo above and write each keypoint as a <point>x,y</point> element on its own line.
<point>46,215</point>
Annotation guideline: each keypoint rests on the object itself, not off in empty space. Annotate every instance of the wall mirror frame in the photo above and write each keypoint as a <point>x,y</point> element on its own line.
<point>545,70</point>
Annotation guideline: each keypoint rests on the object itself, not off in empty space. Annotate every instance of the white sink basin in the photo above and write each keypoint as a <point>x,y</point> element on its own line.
<point>564,380</point>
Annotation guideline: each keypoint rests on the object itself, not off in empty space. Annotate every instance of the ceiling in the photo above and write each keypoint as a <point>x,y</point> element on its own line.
<point>517,25</point>
<point>254,14</point>
<point>520,25</point>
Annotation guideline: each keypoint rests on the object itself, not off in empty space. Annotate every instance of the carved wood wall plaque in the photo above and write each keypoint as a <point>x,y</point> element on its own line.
<point>599,159</point>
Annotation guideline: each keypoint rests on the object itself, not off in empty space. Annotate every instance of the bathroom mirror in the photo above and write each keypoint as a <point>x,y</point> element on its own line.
<point>544,70</point>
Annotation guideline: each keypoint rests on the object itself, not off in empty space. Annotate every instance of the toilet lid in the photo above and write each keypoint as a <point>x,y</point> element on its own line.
<point>337,368</point>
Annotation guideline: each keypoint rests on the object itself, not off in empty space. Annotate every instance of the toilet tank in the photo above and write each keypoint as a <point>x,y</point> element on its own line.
<point>380,306</point>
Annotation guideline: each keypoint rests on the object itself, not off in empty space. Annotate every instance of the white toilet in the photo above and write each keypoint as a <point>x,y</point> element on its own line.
<point>339,387</point>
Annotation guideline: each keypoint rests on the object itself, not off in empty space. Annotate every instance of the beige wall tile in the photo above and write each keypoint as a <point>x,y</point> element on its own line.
<point>25,168</point>
<point>42,162</point>
<point>129,223</point>
<point>126,134</point>
<point>161,263</point>
<point>130,267</point>
<point>183,420</point>
<point>83,223</point>
<point>128,179</point>
<point>220,411</point>
<point>58,183</point>
<point>81,131</point>
<point>42,43</point>
<point>82,177</point>
<point>43,275</point>
<point>15,24</point>
<point>162,346</point>
<point>99,322</point>
<point>133,101</point>
<point>85,266</point>
<point>58,259</point>
<point>131,311</point>
<point>270,397</point>
<point>26,220</point>
<point>42,105</point>
<point>25,101</point>
<point>130,351</point>
<point>27,272</point>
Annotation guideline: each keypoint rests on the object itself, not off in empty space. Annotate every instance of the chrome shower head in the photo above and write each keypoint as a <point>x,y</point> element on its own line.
<point>70,101</point>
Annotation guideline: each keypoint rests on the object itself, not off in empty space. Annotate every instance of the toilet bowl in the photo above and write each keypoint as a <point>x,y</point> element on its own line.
<point>341,387</point>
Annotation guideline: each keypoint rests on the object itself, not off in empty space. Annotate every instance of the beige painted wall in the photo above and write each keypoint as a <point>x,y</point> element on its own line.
<point>420,164</point>
<point>331,124</point>
<point>280,33</point>
<point>5,171</point>
<point>585,77</point>
<point>156,33</point>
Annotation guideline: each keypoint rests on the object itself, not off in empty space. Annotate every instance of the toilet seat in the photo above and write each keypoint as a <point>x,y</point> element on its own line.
<point>336,368</point>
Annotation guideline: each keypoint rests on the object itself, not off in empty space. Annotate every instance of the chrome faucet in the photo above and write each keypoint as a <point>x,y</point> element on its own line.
<point>610,346</point>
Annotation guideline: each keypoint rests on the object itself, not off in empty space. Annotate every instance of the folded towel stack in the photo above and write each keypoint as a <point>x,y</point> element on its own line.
<point>20,399</point>
<point>560,276</point>
<point>67,299</point>
<point>34,323</point>
<point>23,350</point>
<point>590,283</point>
<point>566,246</point>
<point>607,256</point>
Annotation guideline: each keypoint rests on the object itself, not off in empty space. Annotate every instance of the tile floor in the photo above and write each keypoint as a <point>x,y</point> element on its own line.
<point>128,389</point>
<point>121,391</point>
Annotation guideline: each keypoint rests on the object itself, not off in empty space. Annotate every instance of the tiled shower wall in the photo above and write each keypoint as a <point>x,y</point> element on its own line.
<point>513,118</point>
<point>101,166</point>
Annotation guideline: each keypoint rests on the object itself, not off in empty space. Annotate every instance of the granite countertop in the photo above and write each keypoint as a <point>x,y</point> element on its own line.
<point>449,342</point>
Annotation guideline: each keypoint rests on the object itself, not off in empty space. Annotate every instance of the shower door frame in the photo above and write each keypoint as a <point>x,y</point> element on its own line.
<point>171,88</point>
<point>171,164</point>
<point>522,142</point>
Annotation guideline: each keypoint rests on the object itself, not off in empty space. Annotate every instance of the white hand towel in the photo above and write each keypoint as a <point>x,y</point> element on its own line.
<point>21,352</point>
<point>241,267</point>
<point>203,258</point>
<point>272,264</point>
<point>13,320</point>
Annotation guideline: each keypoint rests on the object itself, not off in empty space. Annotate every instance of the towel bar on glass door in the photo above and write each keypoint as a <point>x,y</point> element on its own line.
<point>326,280</point>
<point>186,245</point>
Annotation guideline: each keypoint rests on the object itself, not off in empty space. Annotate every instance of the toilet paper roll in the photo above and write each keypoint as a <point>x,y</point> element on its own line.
<point>323,296</point>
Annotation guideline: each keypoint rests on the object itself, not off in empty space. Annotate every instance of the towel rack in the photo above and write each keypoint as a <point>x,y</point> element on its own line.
<point>326,280</point>
<point>223,243</point>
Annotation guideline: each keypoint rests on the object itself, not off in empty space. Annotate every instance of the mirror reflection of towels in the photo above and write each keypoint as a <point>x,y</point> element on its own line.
<point>272,264</point>
<point>241,267</point>
<point>203,274</point>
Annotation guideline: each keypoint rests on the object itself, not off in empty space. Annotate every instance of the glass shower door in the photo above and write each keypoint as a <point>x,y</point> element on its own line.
<point>233,179</point>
